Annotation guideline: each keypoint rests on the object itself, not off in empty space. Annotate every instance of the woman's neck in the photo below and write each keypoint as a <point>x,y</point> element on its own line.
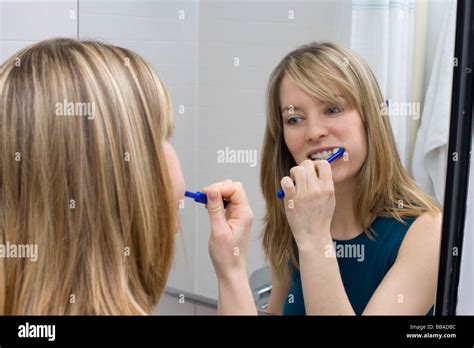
<point>344,224</point>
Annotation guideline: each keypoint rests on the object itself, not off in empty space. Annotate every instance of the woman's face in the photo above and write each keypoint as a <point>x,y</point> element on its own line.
<point>176,175</point>
<point>311,127</point>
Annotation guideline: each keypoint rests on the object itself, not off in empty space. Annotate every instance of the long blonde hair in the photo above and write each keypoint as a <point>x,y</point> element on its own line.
<point>383,186</point>
<point>90,189</point>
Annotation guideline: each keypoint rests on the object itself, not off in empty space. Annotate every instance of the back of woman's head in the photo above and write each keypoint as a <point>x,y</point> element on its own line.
<point>83,177</point>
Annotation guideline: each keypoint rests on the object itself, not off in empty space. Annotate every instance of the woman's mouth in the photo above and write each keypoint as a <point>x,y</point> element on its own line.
<point>323,154</point>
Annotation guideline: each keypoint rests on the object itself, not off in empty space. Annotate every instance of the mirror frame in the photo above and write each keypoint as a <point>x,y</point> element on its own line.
<point>457,176</point>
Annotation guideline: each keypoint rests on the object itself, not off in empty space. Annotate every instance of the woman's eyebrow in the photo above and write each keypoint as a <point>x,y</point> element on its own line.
<point>291,109</point>
<point>294,108</point>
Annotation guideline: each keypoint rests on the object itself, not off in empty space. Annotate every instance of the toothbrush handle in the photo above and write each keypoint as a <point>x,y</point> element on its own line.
<point>201,197</point>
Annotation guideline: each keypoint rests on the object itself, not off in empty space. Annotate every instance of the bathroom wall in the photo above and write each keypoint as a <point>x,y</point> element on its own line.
<point>26,22</point>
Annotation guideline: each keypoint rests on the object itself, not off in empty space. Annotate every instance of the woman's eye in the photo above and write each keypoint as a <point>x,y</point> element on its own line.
<point>333,110</point>
<point>293,120</point>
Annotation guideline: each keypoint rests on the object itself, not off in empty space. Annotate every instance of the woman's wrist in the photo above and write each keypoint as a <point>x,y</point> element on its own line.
<point>233,277</point>
<point>235,295</point>
<point>317,242</point>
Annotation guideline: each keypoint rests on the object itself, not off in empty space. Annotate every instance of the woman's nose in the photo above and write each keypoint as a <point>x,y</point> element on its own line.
<point>316,129</point>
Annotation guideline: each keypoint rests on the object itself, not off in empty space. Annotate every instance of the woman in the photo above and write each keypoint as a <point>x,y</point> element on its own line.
<point>323,96</point>
<point>88,176</point>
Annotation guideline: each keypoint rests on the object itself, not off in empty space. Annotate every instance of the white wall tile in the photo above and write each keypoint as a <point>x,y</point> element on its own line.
<point>205,310</point>
<point>26,22</point>
<point>171,305</point>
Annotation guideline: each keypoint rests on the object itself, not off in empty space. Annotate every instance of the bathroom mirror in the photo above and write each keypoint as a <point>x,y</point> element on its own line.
<point>216,58</point>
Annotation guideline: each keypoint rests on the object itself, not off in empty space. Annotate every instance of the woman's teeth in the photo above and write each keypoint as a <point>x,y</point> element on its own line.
<point>323,154</point>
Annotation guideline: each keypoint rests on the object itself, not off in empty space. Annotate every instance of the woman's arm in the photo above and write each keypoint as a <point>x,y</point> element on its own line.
<point>309,208</point>
<point>228,243</point>
<point>408,288</point>
<point>321,281</point>
<point>235,295</point>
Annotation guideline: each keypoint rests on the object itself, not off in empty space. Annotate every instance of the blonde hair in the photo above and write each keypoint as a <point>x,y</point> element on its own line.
<point>320,69</point>
<point>93,193</point>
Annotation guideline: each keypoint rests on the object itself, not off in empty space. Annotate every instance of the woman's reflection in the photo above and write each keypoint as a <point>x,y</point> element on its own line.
<point>357,236</point>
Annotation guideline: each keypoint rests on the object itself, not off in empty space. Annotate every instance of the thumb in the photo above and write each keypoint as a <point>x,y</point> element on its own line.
<point>215,209</point>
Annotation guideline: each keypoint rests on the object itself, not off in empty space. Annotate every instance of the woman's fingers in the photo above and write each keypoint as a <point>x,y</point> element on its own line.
<point>324,171</point>
<point>215,209</point>
<point>311,174</point>
<point>288,187</point>
<point>232,191</point>
<point>230,231</point>
<point>239,208</point>
<point>304,176</point>
<point>307,176</point>
<point>298,174</point>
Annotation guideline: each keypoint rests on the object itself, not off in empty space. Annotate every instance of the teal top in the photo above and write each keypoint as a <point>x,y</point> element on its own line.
<point>363,264</point>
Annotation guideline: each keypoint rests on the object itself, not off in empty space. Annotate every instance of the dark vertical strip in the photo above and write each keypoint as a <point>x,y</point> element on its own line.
<point>457,177</point>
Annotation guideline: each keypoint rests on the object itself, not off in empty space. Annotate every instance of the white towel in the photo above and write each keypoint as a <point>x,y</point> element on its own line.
<point>431,148</point>
<point>388,50</point>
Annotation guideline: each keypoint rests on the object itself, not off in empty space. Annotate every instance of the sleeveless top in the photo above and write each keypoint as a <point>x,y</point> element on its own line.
<point>363,264</point>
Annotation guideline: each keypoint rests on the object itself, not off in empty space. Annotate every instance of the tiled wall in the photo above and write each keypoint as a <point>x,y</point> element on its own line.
<point>23,23</point>
<point>179,304</point>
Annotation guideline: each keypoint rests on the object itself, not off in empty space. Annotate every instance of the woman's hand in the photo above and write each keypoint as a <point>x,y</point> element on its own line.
<point>230,232</point>
<point>230,228</point>
<point>310,204</point>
